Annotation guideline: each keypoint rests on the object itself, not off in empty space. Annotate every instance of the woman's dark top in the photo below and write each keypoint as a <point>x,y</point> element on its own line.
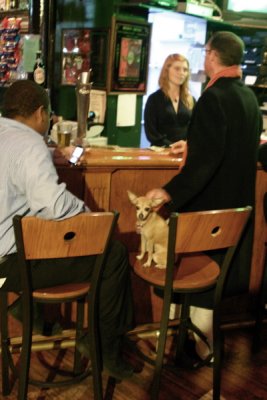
<point>163,125</point>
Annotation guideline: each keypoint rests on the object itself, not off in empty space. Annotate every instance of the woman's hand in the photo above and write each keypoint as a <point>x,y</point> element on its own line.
<point>178,147</point>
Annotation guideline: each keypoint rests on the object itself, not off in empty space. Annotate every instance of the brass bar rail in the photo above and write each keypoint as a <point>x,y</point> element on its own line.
<point>145,331</point>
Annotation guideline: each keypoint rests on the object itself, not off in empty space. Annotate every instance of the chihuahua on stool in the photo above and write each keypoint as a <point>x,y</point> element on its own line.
<point>153,229</point>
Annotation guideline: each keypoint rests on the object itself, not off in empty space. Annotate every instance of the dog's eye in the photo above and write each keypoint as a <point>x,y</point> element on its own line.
<point>147,209</point>
<point>137,207</point>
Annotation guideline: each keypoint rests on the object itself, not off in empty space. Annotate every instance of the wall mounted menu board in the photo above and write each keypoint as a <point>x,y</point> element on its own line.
<point>129,55</point>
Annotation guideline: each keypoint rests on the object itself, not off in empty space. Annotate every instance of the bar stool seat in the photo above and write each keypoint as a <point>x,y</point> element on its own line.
<point>62,292</point>
<point>195,272</point>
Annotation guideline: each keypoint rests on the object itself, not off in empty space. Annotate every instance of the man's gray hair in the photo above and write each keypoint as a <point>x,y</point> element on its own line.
<point>229,47</point>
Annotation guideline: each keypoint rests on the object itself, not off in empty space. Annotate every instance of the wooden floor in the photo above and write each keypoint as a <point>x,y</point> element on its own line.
<point>244,375</point>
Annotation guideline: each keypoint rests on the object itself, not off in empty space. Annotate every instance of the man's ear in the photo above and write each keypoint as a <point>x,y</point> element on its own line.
<point>214,56</point>
<point>39,120</point>
<point>39,114</point>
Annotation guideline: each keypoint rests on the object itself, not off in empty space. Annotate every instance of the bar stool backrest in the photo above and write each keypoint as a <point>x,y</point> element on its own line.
<point>72,237</point>
<point>209,230</point>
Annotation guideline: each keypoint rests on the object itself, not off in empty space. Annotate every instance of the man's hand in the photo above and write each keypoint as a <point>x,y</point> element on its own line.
<point>63,154</point>
<point>159,194</point>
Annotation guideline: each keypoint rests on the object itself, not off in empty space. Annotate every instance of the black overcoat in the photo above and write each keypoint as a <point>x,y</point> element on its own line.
<point>220,170</point>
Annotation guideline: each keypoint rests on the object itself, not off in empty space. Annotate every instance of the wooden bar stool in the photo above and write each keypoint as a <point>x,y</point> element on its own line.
<point>82,235</point>
<point>189,270</point>
<point>261,297</point>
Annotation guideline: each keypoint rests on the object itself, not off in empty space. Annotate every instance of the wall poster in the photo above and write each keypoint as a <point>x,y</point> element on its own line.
<point>83,49</point>
<point>129,56</point>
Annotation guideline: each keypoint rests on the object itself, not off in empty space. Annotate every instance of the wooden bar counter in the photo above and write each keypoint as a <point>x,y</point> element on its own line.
<point>106,175</point>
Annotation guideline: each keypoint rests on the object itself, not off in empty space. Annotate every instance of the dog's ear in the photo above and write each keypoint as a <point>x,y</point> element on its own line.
<point>156,202</point>
<point>132,197</point>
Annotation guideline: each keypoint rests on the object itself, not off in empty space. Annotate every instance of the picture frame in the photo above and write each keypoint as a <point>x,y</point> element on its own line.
<point>83,49</point>
<point>129,55</point>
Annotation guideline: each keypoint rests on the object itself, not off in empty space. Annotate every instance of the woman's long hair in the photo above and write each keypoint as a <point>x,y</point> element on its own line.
<point>185,95</point>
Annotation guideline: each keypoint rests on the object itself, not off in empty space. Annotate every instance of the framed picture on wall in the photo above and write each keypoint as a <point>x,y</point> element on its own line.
<point>129,54</point>
<point>84,49</point>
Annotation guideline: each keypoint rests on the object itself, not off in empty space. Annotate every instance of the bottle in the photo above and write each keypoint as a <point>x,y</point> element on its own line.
<point>39,70</point>
<point>21,73</point>
<point>12,4</point>
<point>23,5</point>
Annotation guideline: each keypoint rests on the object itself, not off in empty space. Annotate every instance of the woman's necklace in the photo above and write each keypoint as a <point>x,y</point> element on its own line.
<point>174,96</point>
<point>175,101</point>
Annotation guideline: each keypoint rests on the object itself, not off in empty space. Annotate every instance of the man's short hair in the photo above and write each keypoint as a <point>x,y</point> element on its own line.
<point>23,98</point>
<point>230,47</point>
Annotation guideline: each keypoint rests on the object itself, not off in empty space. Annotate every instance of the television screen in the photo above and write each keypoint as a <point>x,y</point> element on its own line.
<point>259,6</point>
<point>246,12</point>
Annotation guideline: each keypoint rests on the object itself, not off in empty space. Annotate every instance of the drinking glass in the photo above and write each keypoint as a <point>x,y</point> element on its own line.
<point>64,131</point>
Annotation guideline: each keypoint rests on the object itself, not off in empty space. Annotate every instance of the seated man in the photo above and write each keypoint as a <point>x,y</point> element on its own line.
<point>29,186</point>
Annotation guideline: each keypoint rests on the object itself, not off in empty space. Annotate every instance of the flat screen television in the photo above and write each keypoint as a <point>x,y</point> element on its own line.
<point>245,10</point>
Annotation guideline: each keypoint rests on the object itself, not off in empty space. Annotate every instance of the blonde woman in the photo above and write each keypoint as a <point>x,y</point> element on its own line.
<point>168,110</point>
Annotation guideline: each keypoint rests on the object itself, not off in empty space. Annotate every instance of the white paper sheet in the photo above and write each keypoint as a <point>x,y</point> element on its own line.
<point>98,100</point>
<point>126,110</point>
<point>2,281</point>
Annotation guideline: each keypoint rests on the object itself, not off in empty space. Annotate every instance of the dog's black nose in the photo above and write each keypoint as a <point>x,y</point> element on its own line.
<point>141,216</point>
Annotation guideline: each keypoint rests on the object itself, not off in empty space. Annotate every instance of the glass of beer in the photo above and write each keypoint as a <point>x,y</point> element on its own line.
<point>64,131</point>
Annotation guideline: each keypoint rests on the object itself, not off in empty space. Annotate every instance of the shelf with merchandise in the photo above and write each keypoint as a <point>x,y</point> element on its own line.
<point>10,49</point>
<point>13,12</point>
<point>22,14</point>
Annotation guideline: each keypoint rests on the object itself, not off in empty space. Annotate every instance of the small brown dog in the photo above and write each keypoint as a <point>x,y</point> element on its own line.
<point>153,229</point>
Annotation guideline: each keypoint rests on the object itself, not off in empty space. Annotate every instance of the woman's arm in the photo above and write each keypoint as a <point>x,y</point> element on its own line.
<point>153,134</point>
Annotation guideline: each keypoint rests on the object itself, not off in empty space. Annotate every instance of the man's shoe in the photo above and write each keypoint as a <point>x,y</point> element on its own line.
<point>190,358</point>
<point>83,345</point>
<point>119,370</point>
<point>114,365</point>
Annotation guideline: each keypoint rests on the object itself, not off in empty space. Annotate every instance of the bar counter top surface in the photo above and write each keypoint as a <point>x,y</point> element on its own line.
<point>126,156</point>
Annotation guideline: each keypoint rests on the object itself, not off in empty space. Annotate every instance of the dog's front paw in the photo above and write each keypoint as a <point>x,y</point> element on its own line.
<point>140,256</point>
<point>160,266</point>
<point>147,264</point>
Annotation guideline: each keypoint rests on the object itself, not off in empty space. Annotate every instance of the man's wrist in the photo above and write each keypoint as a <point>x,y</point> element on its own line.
<point>170,205</point>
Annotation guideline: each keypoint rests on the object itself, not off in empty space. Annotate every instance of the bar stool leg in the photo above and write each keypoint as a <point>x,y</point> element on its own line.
<point>77,368</point>
<point>26,349</point>
<point>5,353</point>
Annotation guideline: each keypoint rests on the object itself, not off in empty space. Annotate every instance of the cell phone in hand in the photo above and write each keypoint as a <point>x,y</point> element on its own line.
<point>78,151</point>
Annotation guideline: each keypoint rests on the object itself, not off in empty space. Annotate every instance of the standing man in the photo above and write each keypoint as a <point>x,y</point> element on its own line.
<point>220,166</point>
<point>29,186</point>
